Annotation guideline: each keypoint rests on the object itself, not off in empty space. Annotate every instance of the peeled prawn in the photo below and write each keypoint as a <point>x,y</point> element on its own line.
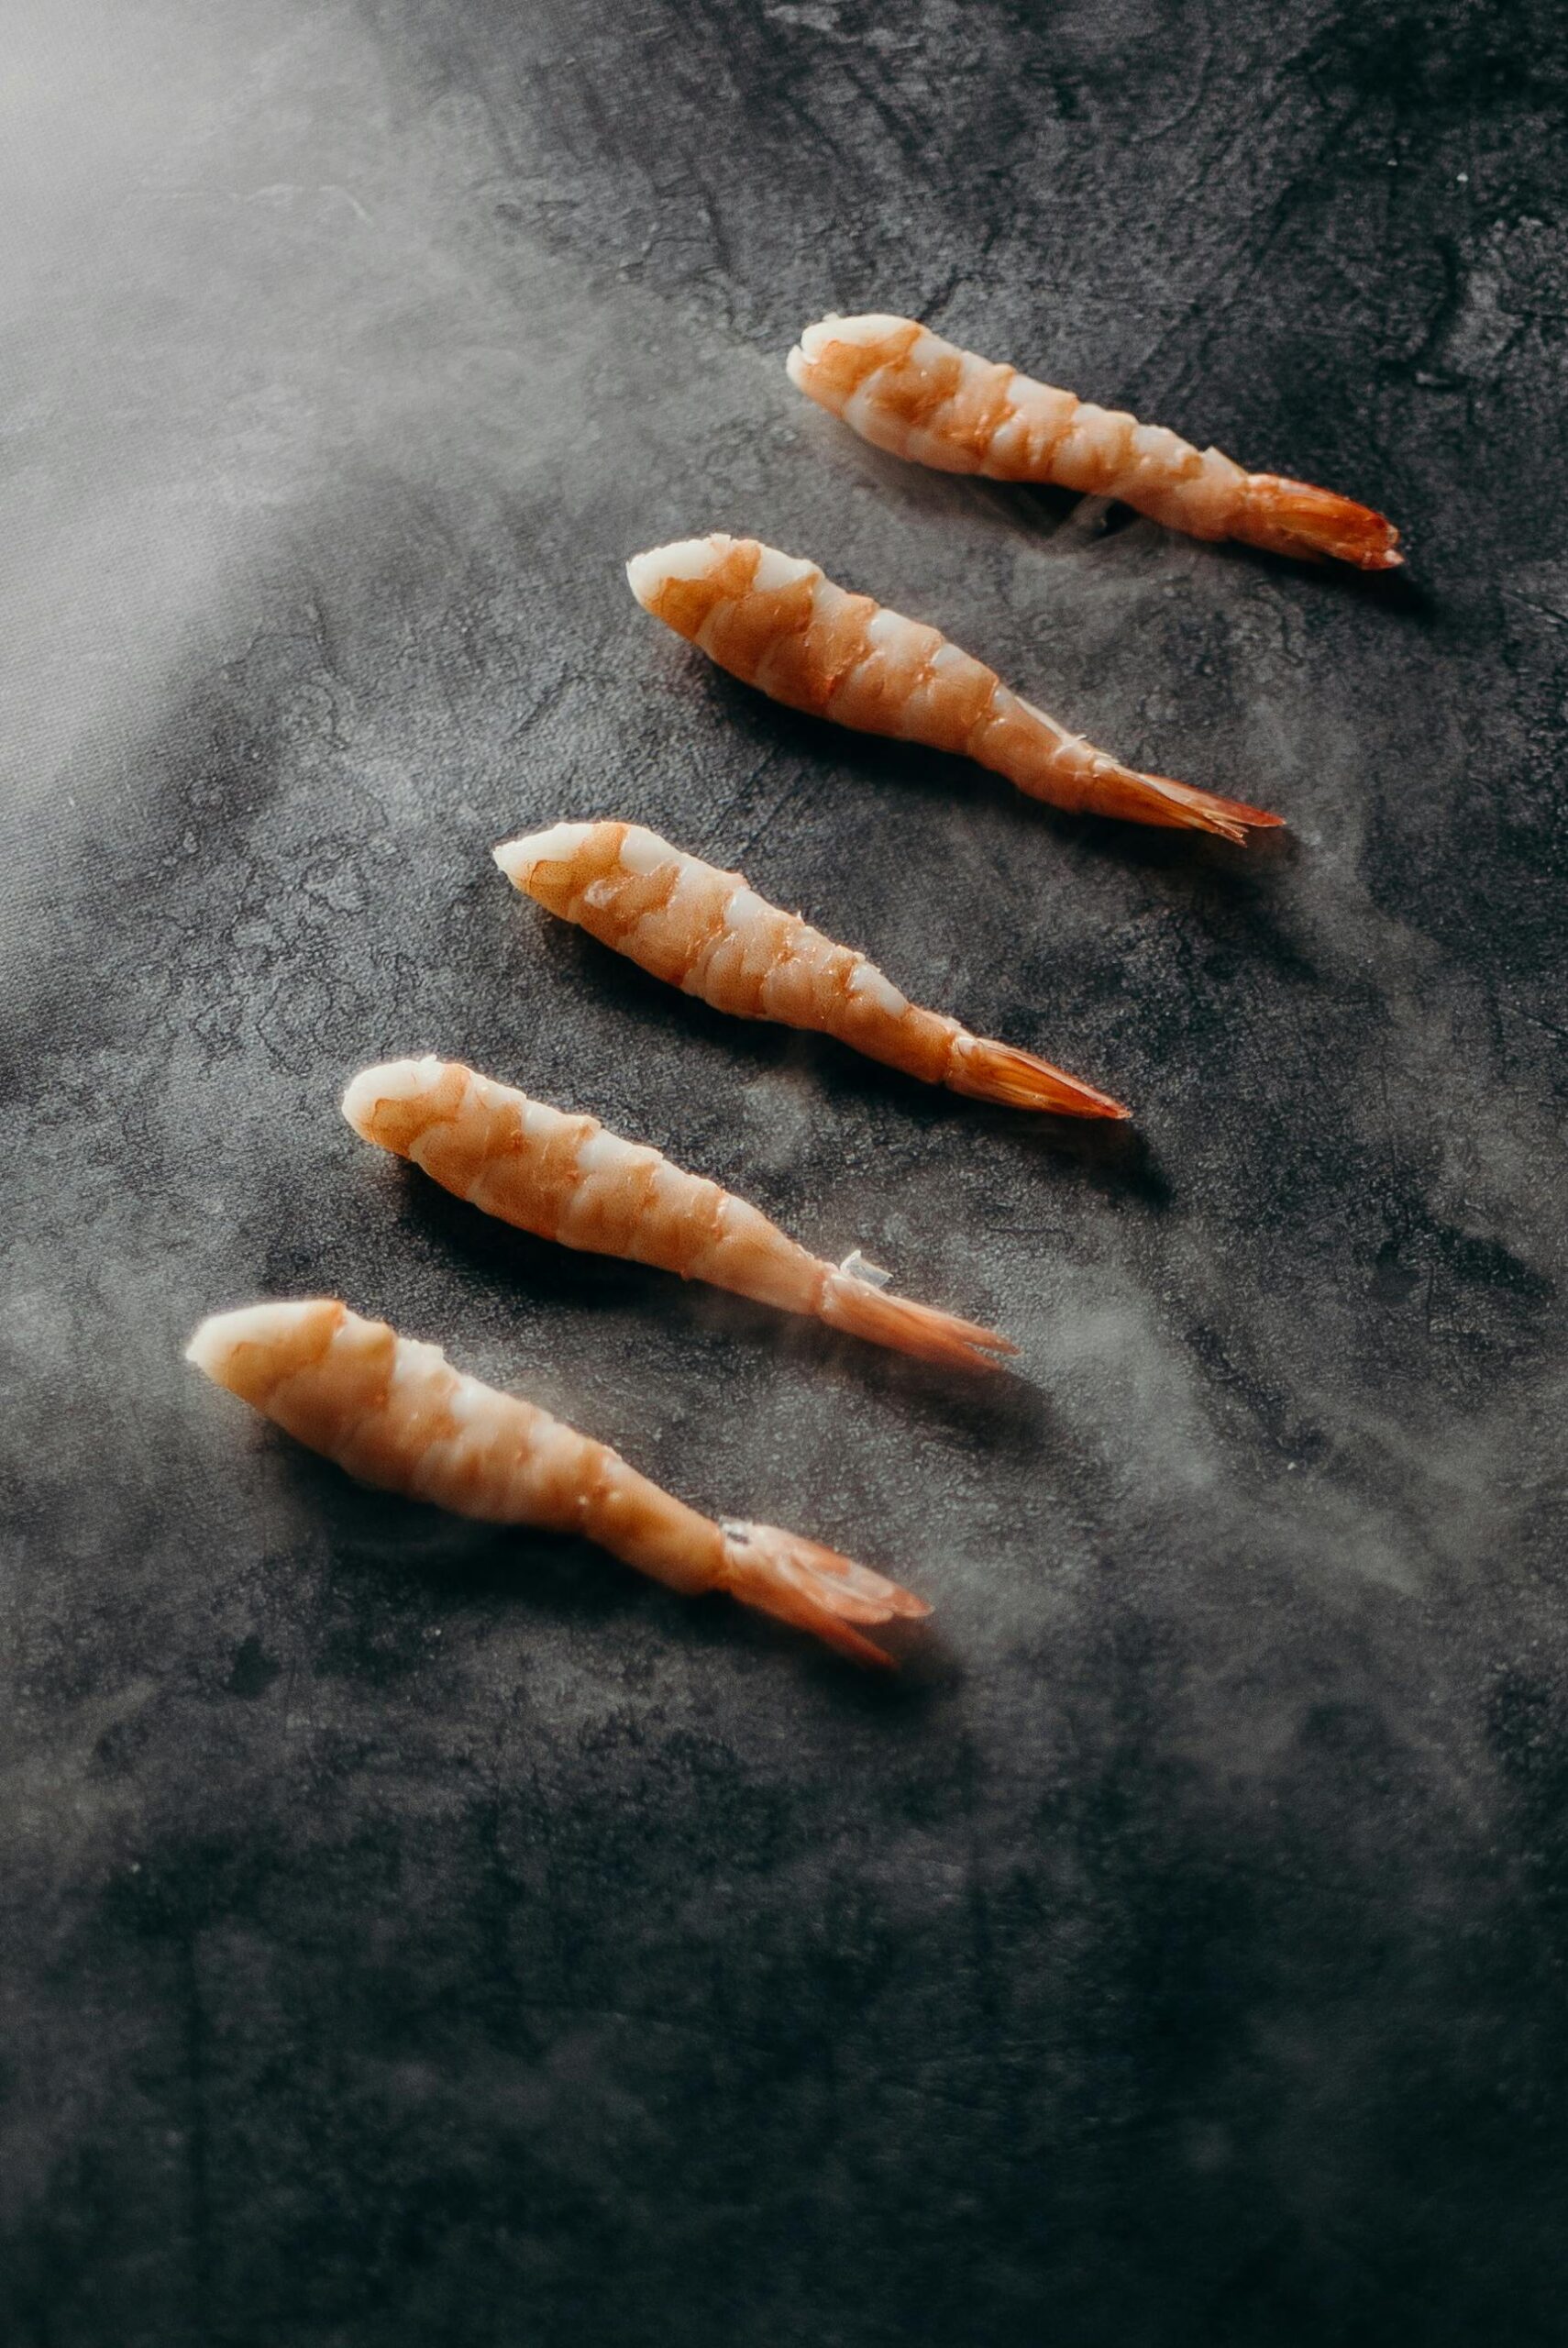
<point>396,1414</point>
<point>776,622</point>
<point>709,934</point>
<point>565,1177</point>
<point>905,389</point>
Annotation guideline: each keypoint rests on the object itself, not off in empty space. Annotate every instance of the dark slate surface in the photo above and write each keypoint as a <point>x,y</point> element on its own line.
<point>412,1935</point>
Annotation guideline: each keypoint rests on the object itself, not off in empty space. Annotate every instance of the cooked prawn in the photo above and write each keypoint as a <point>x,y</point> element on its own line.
<point>776,622</point>
<point>565,1177</point>
<point>904,387</point>
<point>709,934</point>
<point>396,1414</point>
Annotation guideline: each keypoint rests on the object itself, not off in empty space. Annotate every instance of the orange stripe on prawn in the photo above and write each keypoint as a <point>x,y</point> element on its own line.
<point>904,389</point>
<point>708,932</point>
<point>776,622</point>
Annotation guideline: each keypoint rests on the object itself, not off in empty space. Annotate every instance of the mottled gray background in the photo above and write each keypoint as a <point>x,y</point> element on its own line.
<point>412,1935</point>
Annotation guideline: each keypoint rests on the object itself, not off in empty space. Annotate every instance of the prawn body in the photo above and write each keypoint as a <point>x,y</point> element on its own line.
<point>708,932</point>
<point>906,390</point>
<point>565,1177</point>
<point>776,622</point>
<point>396,1414</point>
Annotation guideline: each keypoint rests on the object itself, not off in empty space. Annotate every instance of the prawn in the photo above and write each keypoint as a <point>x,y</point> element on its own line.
<point>904,389</point>
<point>565,1177</point>
<point>709,934</point>
<point>395,1413</point>
<point>773,620</point>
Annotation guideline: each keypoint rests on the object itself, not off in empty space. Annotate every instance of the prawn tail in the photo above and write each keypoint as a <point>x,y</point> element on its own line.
<point>815,1588</point>
<point>991,1072</point>
<point>1174,806</point>
<point>1292,517</point>
<point>868,1312</point>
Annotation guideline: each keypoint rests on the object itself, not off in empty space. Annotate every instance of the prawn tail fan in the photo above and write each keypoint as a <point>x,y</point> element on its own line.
<point>815,1588</point>
<point>988,1070</point>
<point>1176,806</point>
<point>865,1311</point>
<point>1292,517</point>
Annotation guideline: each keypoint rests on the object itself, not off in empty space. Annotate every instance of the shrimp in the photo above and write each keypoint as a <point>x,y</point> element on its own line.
<point>396,1414</point>
<point>901,387</point>
<point>565,1177</point>
<point>706,932</point>
<point>776,622</point>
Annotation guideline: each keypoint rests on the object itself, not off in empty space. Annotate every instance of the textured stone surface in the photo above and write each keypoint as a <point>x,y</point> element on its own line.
<point>412,1935</point>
